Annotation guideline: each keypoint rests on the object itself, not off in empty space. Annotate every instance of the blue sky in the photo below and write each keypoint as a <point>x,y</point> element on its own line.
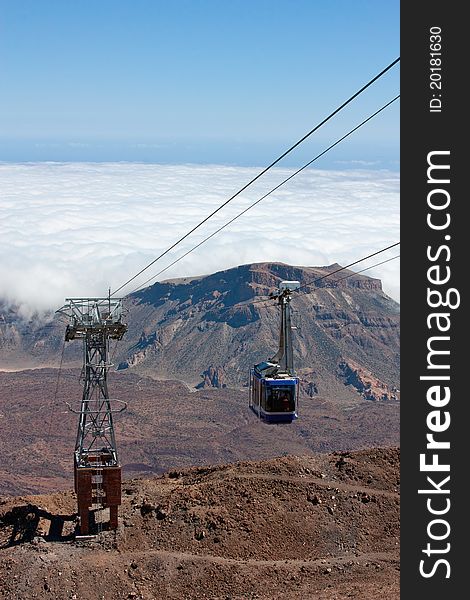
<point>201,81</point>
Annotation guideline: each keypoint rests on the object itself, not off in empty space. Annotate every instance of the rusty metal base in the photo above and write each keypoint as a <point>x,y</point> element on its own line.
<point>86,491</point>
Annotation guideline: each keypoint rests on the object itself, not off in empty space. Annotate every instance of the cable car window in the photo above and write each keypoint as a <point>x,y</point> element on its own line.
<point>280,399</point>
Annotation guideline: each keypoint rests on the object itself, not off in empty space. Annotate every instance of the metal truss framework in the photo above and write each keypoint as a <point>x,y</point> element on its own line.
<point>284,356</point>
<point>96,465</point>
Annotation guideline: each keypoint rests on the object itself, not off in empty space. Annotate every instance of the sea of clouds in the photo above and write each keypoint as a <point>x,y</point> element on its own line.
<point>78,229</point>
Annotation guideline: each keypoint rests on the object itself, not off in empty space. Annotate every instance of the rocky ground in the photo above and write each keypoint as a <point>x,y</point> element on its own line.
<point>166,426</point>
<point>297,527</point>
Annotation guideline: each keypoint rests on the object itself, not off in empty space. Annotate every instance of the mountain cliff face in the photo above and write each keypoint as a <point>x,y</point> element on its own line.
<point>209,331</point>
<point>24,344</point>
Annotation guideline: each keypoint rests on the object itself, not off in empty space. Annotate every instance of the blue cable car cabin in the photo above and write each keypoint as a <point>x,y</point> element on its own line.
<point>275,400</point>
<point>274,386</point>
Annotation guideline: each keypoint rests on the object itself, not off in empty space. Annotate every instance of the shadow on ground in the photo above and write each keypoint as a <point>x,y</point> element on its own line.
<point>20,525</point>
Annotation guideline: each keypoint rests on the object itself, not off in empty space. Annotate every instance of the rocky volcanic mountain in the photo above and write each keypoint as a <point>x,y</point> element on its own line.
<point>320,527</point>
<point>291,523</point>
<point>209,331</point>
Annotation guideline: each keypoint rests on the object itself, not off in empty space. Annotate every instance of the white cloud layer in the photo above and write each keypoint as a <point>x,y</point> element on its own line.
<point>76,229</point>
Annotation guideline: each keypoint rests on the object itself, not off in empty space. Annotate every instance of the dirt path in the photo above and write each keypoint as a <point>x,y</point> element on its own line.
<point>346,487</point>
<point>368,557</point>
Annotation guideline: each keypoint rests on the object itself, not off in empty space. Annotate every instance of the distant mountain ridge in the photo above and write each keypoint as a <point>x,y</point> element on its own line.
<point>215,328</point>
<point>209,330</point>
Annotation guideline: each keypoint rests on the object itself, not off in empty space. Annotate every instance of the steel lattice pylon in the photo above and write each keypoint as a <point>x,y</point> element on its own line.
<point>96,466</point>
<point>95,428</point>
<point>284,357</point>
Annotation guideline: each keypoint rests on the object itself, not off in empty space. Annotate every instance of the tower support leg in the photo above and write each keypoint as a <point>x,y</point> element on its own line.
<point>84,498</point>
<point>112,490</point>
<point>113,517</point>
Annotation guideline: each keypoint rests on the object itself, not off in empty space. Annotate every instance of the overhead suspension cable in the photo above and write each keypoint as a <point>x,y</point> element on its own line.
<point>367,268</point>
<point>308,284</point>
<point>266,195</point>
<point>56,391</point>
<point>316,280</point>
<point>283,155</point>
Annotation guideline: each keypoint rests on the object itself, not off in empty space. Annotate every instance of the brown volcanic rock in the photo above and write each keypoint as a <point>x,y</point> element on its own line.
<point>366,384</point>
<point>294,527</point>
<point>213,377</point>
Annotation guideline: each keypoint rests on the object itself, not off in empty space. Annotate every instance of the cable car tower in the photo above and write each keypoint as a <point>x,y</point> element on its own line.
<point>97,471</point>
<point>274,386</point>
